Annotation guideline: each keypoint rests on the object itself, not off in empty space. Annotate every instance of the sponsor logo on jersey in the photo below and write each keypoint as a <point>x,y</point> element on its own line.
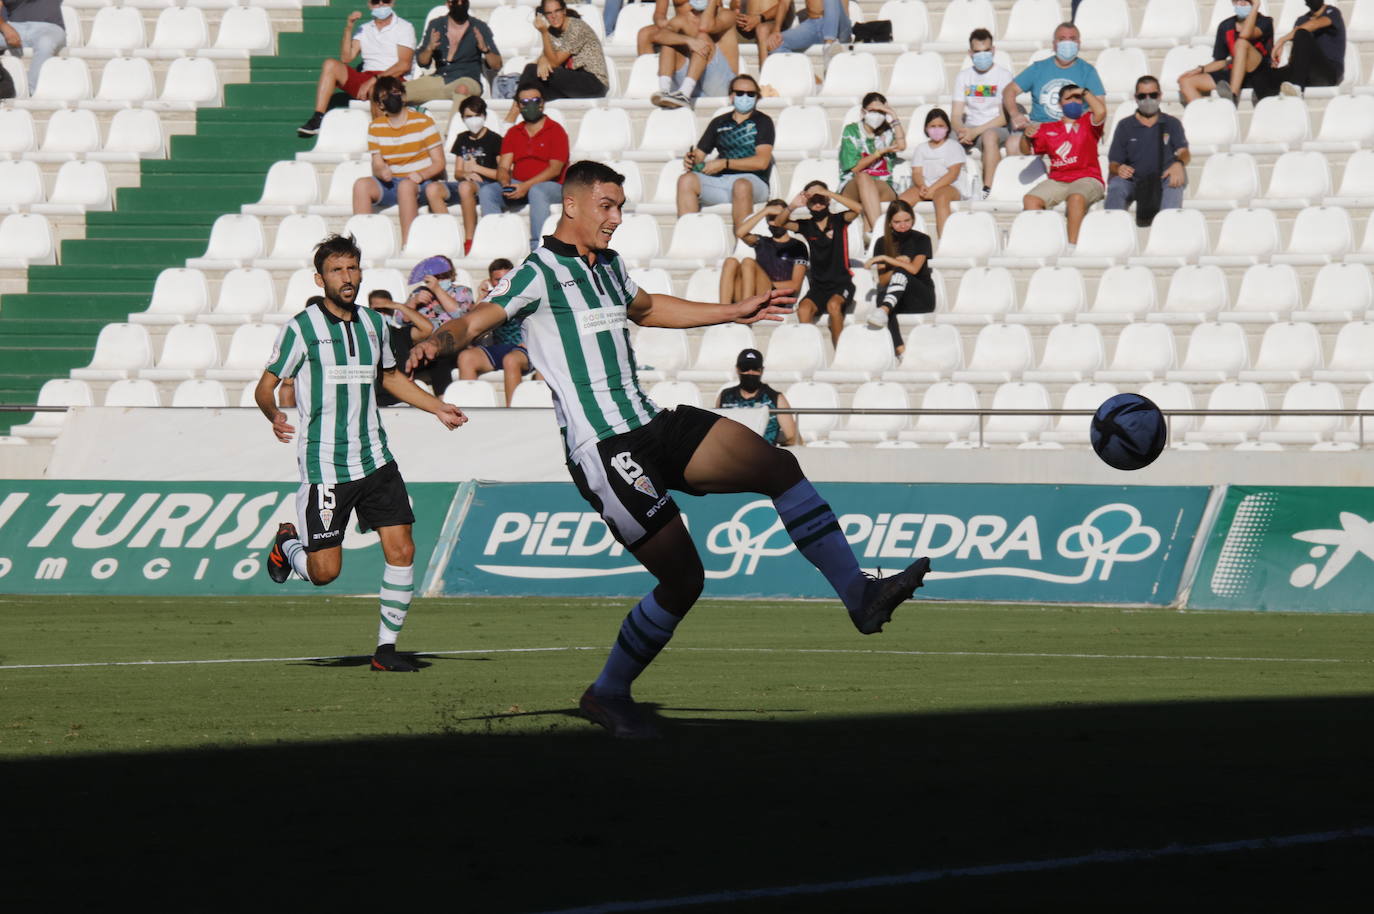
<point>600,320</point>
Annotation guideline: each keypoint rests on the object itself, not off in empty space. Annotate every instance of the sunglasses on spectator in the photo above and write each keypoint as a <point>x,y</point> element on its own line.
<point>380,2</point>
<point>557,10</point>
<point>1147,95</point>
<point>747,93</point>
<point>532,100</point>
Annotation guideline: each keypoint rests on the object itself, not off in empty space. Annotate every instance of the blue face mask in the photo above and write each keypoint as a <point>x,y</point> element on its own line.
<point>982,61</point>
<point>382,12</point>
<point>744,103</point>
<point>1243,12</point>
<point>1073,110</point>
<point>1066,50</point>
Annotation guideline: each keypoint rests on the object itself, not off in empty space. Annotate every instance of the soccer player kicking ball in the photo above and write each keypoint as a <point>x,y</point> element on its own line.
<point>336,351</point>
<point>576,298</point>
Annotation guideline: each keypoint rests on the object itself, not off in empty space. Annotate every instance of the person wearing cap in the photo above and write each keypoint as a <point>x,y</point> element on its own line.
<point>436,297</point>
<point>460,47</point>
<point>751,392</point>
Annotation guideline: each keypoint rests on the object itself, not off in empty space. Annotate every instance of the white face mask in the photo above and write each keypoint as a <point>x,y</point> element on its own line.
<point>874,119</point>
<point>474,124</point>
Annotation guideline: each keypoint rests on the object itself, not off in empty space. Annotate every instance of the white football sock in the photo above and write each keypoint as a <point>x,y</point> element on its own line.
<point>295,556</point>
<point>398,586</point>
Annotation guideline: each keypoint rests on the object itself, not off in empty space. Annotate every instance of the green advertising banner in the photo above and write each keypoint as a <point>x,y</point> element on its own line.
<point>174,538</point>
<point>1290,548</point>
<point>1075,544</point>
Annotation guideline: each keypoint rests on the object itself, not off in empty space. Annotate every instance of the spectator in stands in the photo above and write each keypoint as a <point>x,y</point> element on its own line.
<point>779,260</point>
<point>495,270</point>
<point>868,153</point>
<point>698,54</point>
<point>37,24</point>
<point>751,392</point>
<point>830,281</point>
<point>935,167</point>
<point>534,156</point>
<point>761,21</point>
<point>460,47</point>
<point>387,46</point>
<point>477,152</point>
<point>827,23</point>
<point>905,283</point>
<point>738,175</point>
<point>407,155</point>
<point>1044,80</point>
<point>1318,55</point>
<point>1240,56</point>
<point>401,317</point>
<point>437,298</point>
<point>664,11</point>
<point>978,118</point>
<point>1137,172</point>
<point>1075,177</point>
<point>572,63</point>
<point>503,347</point>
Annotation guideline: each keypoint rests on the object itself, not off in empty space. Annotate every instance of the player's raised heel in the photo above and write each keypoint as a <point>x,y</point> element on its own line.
<point>278,568</point>
<point>886,594</point>
<point>621,716</point>
<point>386,660</point>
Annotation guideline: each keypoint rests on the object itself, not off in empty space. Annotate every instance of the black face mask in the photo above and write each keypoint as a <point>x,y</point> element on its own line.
<point>1315,5</point>
<point>900,234</point>
<point>750,382</point>
<point>458,12</point>
<point>777,231</point>
<point>392,103</point>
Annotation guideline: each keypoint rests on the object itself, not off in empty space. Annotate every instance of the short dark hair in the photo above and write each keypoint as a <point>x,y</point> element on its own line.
<point>526,85</point>
<point>378,293</point>
<point>336,246</point>
<point>586,173</point>
<point>499,263</point>
<point>1147,79</point>
<point>816,183</point>
<point>473,103</point>
<point>1067,87</point>
<point>315,300</point>
<point>387,84</point>
<point>936,114</point>
<point>979,35</point>
<point>744,76</point>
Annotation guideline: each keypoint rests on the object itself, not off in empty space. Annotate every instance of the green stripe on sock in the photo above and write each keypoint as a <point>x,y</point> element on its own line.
<point>396,604</point>
<point>392,585</point>
<point>824,531</point>
<point>389,624</point>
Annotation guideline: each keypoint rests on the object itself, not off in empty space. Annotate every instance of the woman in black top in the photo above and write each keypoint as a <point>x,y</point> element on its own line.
<point>779,260</point>
<point>830,281</point>
<point>905,284</point>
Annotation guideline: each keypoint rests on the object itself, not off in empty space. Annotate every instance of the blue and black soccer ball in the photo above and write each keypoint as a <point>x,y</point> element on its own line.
<point>1129,432</point>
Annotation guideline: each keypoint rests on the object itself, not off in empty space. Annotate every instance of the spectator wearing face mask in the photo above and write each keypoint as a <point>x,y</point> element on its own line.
<point>435,299</point>
<point>830,282</point>
<point>826,23</point>
<point>751,392</point>
<point>905,282</point>
<point>460,47</point>
<point>1240,56</point>
<point>1318,55</point>
<point>571,63</point>
<point>743,141</point>
<point>977,116</point>
<point>407,155</point>
<point>779,260</point>
<point>935,167</point>
<point>868,154</point>
<point>387,47</point>
<point>477,152</point>
<point>1044,80</point>
<point>698,53</point>
<point>1135,156</point>
<point>502,348</point>
<point>1075,177</point>
<point>534,157</point>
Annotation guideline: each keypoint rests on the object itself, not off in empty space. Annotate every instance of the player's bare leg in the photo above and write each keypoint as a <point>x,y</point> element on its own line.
<point>398,586</point>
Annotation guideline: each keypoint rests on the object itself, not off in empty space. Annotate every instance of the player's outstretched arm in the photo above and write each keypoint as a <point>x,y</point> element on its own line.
<point>669,311</point>
<point>456,334</point>
<point>406,390</point>
<point>265,395</point>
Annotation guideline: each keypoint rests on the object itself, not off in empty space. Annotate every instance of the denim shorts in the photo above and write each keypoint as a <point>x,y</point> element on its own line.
<point>388,189</point>
<point>717,188</point>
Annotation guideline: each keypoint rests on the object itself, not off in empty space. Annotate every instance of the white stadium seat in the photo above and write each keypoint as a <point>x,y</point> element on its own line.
<point>1180,60</point>
<point>430,234</point>
<point>376,237</point>
<point>294,245</point>
<point>245,294</point>
<point>1015,176</point>
<point>1196,293</point>
<point>910,20</point>
<point>874,395</point>
<point>1030,24</point>
<point>1361,427</point>
<point>850,74</point>
<point>513,28</point>
<point>814,395</point>
<point>1178,236</point>
<point>392,280</point>
<point>178,295</point>
<point>808,170</point>
<point>1320,235</point>
<point>1171,395</point>
<point>668,134</point>
<point>660,352</point>
<point>1299,179</point>
<point>917,75</point>
<point>471,394</point>
<point>57,392</point>
<point>1083,395</point>
<point>1232,429</point>
<point>719,348</point>
<point>1352,356</point>
<point>244,28</point>
<point>338,199</point>
<point>81,186</point>
<point>802,131</point>
<point>1289,351</point>
<point>946,427</point>
<point>1347,125</point>
<point>1036,237</point>
<point>790,74</point>
<point>501,235</point>
<point>179,30</point>
<point>1216,352</point>
<point>1229,179</point>
<point>643,81</point>
<point>670,394</point>
<point>289,188</point>
<point>1268,292</point>
<point>1278,124</point>
<point>1053,294</point>
<point>1014,429</point>
<point>249,349</point>
<point>124,81</point>
<point>342,136</point>
<point>1211,125</point>
<point>1341,292</point>
<point>135,392</point>
<point>1307,395</point>
<point>235,241</point>
<point>1072,353</point>
<point>1104,22</point>
<point>1124,294</point>
<point>653,281</point>
<point>70,133</point>
<point>121,351</point>
<point>17,133</point>
<point>1001,353</point>
<point>1106,237</point>
<point>26,239</point>
<point>66,80</point>
<point>115,30</point>
<point>862,354</point>
<point>1119,68</point>
<point>968,239</point>
<point>1357,182</point>
<point>637,239</point>
<point>986,294</point>
<point>187,351</point>
<point>932,352</point>
<point>1144,352</point>
<point>699,240</point>
<point>135,133</point>
<point>191,81</point>
<point>795,352</point>
<point>962,17</point>
<point>1166,23</point>
<point>603,134</point>
<point>200,393</point>
<point>1247,236</point>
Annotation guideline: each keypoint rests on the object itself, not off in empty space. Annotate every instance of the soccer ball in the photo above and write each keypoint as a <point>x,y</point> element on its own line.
<point>1129,432</point>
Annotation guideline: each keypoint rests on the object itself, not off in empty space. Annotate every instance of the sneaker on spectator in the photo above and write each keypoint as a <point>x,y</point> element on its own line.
<point>1224,91</point>
<point>831,49</point>
<point>1288,88</point>
<point>312,126</point>
<point>674,99</point>
<point>877,319</point>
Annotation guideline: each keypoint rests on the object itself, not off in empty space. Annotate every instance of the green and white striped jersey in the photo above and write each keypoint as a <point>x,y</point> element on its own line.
<point>578,335</point>
<point>339,436</point>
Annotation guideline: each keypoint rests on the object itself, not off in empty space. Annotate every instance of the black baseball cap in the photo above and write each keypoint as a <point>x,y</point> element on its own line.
<point>749,360</point>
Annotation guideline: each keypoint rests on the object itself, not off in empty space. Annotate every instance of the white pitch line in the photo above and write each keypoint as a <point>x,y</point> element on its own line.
<point>1189,658</point>
<point>993,869</point>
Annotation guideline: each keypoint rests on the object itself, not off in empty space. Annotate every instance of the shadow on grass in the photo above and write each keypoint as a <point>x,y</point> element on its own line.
<point>421,660</point>
<point>495,823</point>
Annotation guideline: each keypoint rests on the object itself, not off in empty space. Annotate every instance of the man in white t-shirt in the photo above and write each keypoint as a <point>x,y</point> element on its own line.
<point>387,47</point>
<point>977,111</point>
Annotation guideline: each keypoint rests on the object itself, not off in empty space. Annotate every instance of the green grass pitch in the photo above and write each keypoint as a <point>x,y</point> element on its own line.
<point>276,768</point>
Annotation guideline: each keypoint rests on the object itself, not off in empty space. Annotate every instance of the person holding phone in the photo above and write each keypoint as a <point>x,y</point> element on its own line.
<point>534,156</point>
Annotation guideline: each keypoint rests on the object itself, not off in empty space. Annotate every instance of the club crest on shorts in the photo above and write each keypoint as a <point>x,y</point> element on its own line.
<point>644,485</point>
<point>633,473</point>
<point>326,516</point>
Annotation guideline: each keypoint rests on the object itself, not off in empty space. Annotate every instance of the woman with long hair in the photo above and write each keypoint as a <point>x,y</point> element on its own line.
<point>935,167</point>
<point>868,155</point>
<point>905,284</point>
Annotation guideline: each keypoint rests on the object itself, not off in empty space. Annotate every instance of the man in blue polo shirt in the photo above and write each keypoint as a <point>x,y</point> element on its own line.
<point>1134,156</point>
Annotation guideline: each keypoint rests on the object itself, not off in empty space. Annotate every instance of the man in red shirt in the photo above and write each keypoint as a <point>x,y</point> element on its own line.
<point>534,156</point>
<point>1071,143</point>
